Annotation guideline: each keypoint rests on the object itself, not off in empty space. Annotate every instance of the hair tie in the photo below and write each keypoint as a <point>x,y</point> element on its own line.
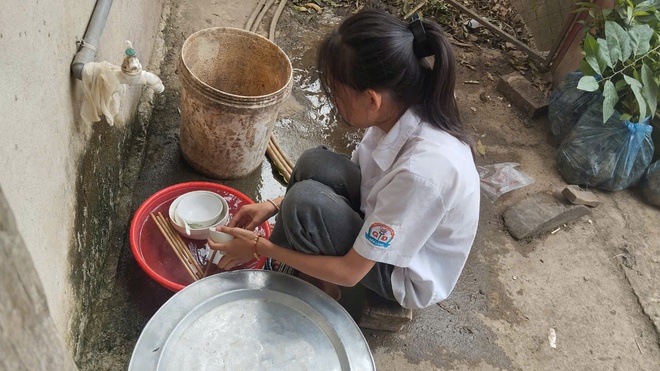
<point>421,45</point>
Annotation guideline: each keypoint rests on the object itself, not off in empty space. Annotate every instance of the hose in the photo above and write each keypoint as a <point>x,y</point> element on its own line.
<point>274,151</point>
<point>276,18</point>
<point>261,15</point>
<point>256,10</point>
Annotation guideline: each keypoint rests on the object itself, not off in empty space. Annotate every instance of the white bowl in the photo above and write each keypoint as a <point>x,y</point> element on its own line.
<point>197,233</point>
<point>199,209</point>
<point>219,237</point>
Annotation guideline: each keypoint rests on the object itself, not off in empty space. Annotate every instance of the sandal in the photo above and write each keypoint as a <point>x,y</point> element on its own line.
<point>276,266</point>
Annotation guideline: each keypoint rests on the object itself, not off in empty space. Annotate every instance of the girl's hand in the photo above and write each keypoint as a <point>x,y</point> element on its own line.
<point>238,251</point>
<point>252,215</point>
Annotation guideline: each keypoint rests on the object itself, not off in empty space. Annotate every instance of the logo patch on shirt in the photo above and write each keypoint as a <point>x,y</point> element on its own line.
<point>380,235</point>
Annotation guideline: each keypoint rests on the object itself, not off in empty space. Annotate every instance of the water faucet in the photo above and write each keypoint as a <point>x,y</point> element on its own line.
<point>103,84</point>
<point>132,74</point>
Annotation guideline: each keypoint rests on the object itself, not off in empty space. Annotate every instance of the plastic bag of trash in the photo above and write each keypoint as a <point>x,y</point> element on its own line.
<point>567,105</point>
<point>651,184</point>
<point>499,179</point>
<point>610,156</point>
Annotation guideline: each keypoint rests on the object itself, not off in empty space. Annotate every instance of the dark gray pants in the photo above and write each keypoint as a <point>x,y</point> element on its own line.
<point>320,213</point>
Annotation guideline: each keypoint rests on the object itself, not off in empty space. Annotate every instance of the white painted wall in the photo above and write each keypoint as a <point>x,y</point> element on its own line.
<point>41,136</point>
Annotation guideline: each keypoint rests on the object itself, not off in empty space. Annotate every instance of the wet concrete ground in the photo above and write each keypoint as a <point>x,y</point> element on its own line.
<point>510,294</point>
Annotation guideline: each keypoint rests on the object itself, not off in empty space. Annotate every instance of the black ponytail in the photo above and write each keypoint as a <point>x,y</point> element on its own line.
<point>375,50</point>
<point>440,107</point>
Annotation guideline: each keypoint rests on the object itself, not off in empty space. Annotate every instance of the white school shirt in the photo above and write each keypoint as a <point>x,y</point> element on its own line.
<point>420,198</point>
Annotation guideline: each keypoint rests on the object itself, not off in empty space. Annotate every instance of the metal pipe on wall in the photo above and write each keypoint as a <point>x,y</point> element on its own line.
<point>89,44</point>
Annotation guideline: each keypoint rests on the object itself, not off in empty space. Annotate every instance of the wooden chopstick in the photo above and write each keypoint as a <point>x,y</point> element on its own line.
<point>169,236</point>
<point>209,263</point>
<point>277,160</point>
<point>286,158</point>
<point>181,245</point>
<point>163,230</point>
<point>278,157</point>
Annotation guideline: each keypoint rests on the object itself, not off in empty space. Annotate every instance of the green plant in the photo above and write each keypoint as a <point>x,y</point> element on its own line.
<point>622,57</point>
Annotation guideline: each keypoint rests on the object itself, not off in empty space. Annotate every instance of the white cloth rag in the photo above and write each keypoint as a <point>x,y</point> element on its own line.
<point>102,92</point>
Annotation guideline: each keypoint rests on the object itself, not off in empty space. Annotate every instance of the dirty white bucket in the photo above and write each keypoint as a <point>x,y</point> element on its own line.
<point>232,85</point>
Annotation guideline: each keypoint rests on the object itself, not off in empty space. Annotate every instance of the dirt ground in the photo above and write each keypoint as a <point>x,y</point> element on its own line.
<point>606,314</point>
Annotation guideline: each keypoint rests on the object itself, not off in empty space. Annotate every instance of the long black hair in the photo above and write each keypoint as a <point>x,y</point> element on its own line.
<point>374,50</point>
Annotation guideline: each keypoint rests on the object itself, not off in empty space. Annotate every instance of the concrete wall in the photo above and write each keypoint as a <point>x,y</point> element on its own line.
<point>544,18</point>
<point>26,322</point>
<point>571,57</point>
<point>43,142</point>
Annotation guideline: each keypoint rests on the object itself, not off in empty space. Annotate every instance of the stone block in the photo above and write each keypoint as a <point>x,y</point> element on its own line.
<point>540,213</point>
<point>385,315</point>
<point>522,94</point>
<point>577,196</point>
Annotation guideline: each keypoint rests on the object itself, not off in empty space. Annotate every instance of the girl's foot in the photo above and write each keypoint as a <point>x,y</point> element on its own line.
<point>272,265</point>
<point>329,288</point>
<point>276,266</point>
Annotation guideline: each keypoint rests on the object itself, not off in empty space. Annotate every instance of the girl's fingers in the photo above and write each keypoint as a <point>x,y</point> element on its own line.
<point>237,232</point>
<point>241,218</point>
<point>251,226</point>
<point>211,244</point>
<point>223,262</point>
<point>237,220</point>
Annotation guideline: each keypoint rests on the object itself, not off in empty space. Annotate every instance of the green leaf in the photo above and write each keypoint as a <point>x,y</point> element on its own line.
<point>636,88</point>
<point>583,7</point>
<point>481,149</point>
<point>640,36</point>
<point>620,85</point>
<point>591,52</point>
<point>618,42</point>
<point>621,11</point>
<point>646,7</point>
<point>588,83</point>
<point>603,55</point>
<point>626,117</point>
<point>586,69</point>
<point>630,10</point>
<point>650,89</point>
<point>611,97</point>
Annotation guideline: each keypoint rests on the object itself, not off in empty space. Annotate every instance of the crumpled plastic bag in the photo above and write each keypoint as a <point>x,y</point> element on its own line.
<point>102,92</point>
<point>651,184</point>
<point>567,105</point>
<point>611,156</point>
<point>499,179</point>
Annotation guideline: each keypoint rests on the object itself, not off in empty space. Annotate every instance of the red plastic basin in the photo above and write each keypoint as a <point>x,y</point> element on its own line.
<point>150,248</point>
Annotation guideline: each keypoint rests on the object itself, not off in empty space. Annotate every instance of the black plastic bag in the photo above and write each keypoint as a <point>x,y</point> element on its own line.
<point>567,105</point>
<point>651,184</point>
<point>610,156</point>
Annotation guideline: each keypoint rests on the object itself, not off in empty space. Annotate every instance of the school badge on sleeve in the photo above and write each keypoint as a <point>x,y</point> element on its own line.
<point>380,235</point>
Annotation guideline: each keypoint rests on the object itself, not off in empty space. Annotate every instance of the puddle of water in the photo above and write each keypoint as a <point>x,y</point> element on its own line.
<point>316,121</point>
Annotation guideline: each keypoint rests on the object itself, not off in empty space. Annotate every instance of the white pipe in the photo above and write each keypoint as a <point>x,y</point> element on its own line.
<point>89,44</point>
<point>141,78</point>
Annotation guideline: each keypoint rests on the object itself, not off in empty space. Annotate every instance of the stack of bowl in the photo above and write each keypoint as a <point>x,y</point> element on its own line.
<point>202,211</point>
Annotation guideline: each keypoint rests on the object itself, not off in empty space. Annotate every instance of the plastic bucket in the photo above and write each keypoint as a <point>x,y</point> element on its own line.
<point>232,85</point>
